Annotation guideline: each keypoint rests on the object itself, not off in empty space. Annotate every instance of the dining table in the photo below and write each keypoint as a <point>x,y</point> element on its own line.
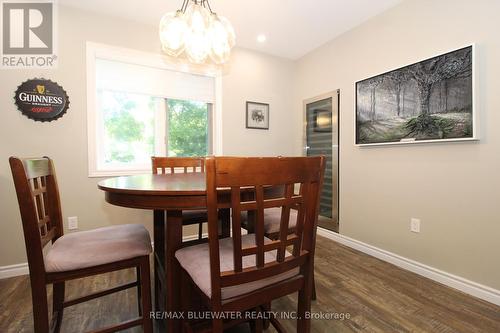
<point>170,194</point>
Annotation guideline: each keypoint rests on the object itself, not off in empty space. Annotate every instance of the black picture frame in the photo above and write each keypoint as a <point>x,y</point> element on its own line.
<point>257,115</point>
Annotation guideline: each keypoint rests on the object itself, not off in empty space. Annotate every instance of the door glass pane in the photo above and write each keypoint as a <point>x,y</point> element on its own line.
<point>319,142</point>
<point>188,128</point>
<point>127,129</point>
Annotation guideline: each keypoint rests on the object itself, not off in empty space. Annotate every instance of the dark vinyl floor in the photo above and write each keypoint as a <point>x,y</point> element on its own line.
<point>356,293</point>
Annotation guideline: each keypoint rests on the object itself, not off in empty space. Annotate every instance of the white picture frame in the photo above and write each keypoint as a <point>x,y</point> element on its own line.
<point>474,126</point>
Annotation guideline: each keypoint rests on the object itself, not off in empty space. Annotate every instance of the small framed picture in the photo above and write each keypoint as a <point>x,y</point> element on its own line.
<point>257,115</point>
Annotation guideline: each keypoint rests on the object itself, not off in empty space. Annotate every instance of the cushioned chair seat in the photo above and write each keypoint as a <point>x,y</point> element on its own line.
<point>196,261</point>
<point>97,247</point>
<point>272,219</point>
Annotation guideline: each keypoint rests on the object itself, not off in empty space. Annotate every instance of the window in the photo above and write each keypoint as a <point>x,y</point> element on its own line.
<point>138,108</point>
<point>135,127</point>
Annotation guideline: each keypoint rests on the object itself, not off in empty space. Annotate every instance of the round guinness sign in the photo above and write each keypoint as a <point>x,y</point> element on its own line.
<point>41,100</point>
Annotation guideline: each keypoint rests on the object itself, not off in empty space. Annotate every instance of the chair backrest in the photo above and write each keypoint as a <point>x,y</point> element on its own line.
<point>38,196</point>
<point>161,165</point>
<point>302,179</point>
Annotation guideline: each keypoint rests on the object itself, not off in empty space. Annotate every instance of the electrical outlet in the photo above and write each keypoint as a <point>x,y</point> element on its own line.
<point>72,222</point>
<point>414,225</point>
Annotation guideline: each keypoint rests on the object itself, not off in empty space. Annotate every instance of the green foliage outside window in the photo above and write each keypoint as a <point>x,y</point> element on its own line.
<point>127,133</point>
<point>187,128</point>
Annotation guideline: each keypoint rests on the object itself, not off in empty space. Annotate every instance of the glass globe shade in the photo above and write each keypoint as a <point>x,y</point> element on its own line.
<point>221,55</point>
<point>197,47</point>
<point>197,44</point>
<point>173,28</point>
<point>229,29</point>
<point>220,48</point>
<point>197,17</point>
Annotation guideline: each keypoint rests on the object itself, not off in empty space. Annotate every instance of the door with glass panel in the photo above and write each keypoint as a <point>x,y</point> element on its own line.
<point>321,137</point>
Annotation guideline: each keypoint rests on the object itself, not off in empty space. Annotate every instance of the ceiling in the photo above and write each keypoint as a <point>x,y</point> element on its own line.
<point>292,27</point>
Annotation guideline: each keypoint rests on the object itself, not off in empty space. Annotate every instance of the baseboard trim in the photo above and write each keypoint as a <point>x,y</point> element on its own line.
<point>14,270</point>
<point>193,237</point>
<point>467,286</point>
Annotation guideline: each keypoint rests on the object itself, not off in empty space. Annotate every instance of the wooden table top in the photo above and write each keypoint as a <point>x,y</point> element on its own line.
<point>148,184</point>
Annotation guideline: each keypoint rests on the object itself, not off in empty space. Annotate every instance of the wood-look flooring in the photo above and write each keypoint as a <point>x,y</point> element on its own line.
<point>378,297</point>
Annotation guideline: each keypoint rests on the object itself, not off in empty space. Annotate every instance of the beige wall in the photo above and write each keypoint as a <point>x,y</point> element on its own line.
<point>453,188</point>
<point>265,79</point>
<point>65,140</point>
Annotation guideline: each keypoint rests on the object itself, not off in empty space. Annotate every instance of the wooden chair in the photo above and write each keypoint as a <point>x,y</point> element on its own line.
<point>245,272</point>
<point>75,255</point>
<point>272,221</point>
<point>162,165</point>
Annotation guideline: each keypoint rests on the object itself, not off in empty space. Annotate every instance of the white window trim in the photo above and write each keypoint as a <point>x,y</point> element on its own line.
<point>102,51</point>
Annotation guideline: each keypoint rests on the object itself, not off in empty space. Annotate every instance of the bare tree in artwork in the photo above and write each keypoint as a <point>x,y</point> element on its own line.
<point>372,85</point>
<point>431,99</point>
<point>398,79</point>
<point>436,70</point>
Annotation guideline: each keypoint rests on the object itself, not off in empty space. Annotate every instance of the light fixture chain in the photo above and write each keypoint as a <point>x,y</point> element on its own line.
<point>184,6</point>
<point>208,4</point>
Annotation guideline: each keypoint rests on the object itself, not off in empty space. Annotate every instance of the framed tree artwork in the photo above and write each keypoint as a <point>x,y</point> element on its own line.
<point>428,101</point>
<point>257,115</point>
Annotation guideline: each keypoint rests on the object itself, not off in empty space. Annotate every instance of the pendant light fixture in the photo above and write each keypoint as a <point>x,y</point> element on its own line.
<point>199,33</point>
